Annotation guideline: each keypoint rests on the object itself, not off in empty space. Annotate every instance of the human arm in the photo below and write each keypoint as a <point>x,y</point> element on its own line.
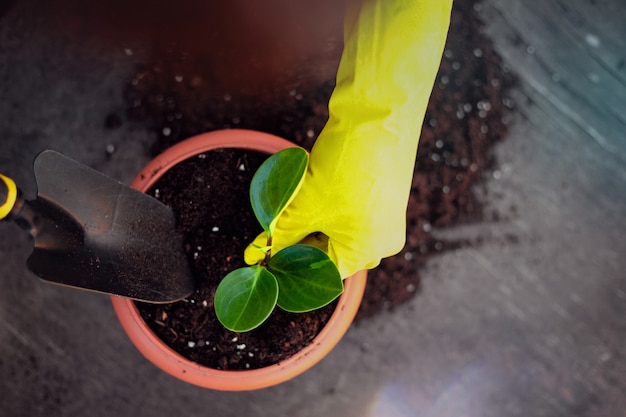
<point>356,188</point>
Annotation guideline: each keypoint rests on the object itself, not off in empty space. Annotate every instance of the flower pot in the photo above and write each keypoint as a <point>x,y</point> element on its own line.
<point>170,361</point>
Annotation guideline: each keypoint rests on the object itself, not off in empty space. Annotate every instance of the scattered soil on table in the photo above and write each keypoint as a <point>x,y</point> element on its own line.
<point>180,91</point>
<point>209,196</point>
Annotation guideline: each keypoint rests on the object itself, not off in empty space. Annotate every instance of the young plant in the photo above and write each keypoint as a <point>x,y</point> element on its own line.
<point>299,278</point>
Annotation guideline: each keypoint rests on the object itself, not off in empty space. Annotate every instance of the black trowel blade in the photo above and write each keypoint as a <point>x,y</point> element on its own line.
<point>93,232</point>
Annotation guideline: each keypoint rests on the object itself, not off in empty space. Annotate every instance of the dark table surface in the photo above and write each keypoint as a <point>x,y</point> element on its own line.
<point>530,326</point>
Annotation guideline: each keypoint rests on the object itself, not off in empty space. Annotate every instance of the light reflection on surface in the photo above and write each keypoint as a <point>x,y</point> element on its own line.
<point>461,397</point>
<point>480,389</point>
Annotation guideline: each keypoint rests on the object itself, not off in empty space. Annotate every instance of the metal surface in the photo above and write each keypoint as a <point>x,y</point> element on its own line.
<point>93,232</point>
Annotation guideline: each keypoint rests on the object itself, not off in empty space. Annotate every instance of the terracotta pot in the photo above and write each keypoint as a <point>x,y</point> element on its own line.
<point>155,350</point>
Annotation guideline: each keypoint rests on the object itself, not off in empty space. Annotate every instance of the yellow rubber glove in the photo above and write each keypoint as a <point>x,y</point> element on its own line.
<point>359,177</point>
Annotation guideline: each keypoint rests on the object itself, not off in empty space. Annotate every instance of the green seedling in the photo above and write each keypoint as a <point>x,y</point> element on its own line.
<point>299,278</point>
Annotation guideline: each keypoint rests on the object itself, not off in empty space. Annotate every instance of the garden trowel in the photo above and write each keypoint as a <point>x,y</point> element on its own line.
<point>93,232</point>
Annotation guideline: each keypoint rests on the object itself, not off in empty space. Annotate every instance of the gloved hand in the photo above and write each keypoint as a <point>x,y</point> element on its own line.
<point>359,177</point>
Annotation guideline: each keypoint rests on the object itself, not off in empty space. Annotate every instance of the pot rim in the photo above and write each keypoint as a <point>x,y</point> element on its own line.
<point>170,361</point>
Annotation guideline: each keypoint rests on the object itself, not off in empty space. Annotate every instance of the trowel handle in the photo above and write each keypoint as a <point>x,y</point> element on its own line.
<point>10,197</point>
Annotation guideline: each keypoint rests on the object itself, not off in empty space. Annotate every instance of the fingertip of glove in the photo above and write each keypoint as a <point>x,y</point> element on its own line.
<point>252,255</point>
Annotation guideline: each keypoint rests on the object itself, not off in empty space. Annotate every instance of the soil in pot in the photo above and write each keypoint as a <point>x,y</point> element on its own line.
<point>209,196</point>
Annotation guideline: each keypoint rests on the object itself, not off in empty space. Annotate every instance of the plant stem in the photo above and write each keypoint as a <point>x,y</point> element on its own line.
<point>268,253</point>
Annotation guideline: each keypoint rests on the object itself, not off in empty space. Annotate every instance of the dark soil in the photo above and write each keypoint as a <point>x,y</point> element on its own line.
<point>186,87</point>
<point>209,196</point>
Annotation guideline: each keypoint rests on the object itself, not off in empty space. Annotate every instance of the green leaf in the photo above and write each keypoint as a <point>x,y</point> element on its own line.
<point>308,279</point>
<point>275,184</point>
<point>245,298</point>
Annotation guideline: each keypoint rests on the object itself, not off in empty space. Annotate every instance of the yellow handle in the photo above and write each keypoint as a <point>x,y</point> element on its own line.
<point>11,195</point>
